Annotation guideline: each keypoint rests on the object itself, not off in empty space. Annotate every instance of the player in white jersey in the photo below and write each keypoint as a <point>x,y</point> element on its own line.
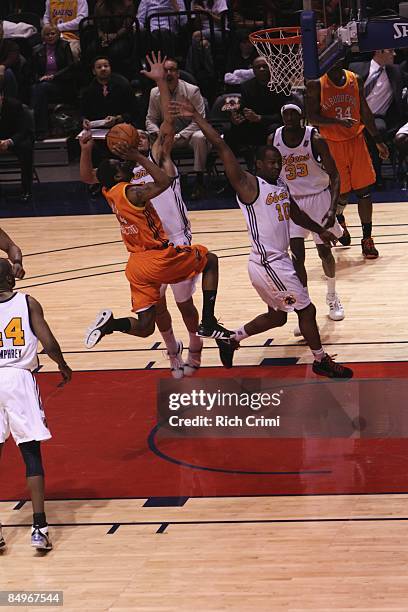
<point>316,190</point>
<point>267,206</point>
<point>174,216</point>
<point>22,324</point>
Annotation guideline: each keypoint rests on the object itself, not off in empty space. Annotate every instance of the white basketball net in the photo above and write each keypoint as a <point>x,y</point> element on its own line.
<point>285,60</point>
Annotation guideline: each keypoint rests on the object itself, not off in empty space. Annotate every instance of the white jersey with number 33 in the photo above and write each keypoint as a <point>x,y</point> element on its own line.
<point>18,344</point>
<point>300,169</point>
<point>267,219</point>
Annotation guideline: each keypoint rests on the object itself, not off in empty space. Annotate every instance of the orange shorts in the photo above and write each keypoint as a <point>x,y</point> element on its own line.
<point>353,162</point>
<point>149,270</point>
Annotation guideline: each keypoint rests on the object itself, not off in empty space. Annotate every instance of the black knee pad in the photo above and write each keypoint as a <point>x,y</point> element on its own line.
<point>31,452</point>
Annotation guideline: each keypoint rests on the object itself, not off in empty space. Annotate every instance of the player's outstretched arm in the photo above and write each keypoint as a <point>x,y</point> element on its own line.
<point>244,183</point>
<point>140,194</point>
<point>13,252</point>
<point>301,218</point>
<point>46,337</point>
<point>87,172</point>
<point>162,146</point>
<point>321,147</point>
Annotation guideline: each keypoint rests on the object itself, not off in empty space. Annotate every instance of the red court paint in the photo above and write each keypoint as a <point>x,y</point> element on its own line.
<point>101,422</point>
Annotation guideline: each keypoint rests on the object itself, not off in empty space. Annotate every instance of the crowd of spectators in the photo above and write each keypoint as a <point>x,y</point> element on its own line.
<point>88,55</point>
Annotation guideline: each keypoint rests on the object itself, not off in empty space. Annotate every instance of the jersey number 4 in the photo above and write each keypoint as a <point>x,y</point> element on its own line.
<point>13,331</point>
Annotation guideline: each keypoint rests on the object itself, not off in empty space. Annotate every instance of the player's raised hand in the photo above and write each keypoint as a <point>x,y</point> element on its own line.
<point>383,150</point>
<point>86,140</point>
<point>182,108</point>
<point>156,64</point>
<point>328,238</point>
<point>125,151</point>
<point>18,270</point>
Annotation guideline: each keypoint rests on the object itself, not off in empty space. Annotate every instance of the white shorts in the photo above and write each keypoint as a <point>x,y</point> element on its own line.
<point>403,130</point>
<point>21,411</point>
<point>316,206</point>
<point>184,290</point>
<point>278,285</point>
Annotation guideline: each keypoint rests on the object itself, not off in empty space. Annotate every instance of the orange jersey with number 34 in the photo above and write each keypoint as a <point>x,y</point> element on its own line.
<point>340,102</point>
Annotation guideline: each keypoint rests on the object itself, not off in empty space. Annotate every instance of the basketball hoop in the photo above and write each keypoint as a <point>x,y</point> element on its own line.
<point>282,50</point>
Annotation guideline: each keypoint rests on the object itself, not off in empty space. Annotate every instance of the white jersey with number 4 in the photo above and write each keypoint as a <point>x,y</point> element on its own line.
<point>267,219</point>
<point>169,206</point>
<point>18,344</point>
<point>300,169</point>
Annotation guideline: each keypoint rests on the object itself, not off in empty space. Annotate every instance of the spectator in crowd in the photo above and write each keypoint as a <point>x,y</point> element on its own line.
<point>259,114</point>
<point>110,98</point>
<point>241,53</point>
<point>217,10</point>
<point>66,15</point>
<point>16,138</point>
<point>206,46</point>
<point>9,61</point>
<point>383,85</point>
<point>116,18</point>
<point>187,132</point>
<point>53,78</point>
<point>163,29</point>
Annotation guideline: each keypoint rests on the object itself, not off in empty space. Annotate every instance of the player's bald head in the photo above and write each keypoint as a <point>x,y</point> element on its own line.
<point>6,273</point>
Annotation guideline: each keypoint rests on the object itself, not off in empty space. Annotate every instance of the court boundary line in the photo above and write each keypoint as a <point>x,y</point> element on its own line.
<point>118,524</point>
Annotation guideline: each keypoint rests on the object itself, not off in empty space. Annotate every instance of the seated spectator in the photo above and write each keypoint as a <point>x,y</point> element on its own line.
<point>52,64</point>
<point>260,110</point>
<point>201,55</point>
<point>164,29</point>
<point>218,10</point>
<point>109,97</point>
<point>241,53</point>
<point>187,132</point>
<point>66,15</point>
<point>9,61</point>
<point>383,85</point>
<point>116,19</point>
<point>15,137</point>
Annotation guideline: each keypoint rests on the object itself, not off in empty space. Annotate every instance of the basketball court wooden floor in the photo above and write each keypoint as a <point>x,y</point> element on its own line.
<point>220,525</point>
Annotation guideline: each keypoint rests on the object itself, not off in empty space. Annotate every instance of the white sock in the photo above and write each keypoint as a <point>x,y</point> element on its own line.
<point>240,334</point>
<point>331,286</point>
<point>318,355</point>
<point>170,341</point>
<point>196,343</point>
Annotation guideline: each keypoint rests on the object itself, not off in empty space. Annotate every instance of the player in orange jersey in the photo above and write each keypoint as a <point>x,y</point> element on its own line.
<point>337,105</point>
<point>153,260</point>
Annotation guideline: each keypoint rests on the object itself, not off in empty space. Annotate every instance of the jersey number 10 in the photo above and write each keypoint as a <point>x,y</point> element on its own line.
<point>13,331</point>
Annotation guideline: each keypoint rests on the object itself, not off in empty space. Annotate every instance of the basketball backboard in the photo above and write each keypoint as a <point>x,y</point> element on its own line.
<point>324,43</point>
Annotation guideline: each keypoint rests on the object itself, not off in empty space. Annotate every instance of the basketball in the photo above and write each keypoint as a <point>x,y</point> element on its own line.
<point>122,132</point>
